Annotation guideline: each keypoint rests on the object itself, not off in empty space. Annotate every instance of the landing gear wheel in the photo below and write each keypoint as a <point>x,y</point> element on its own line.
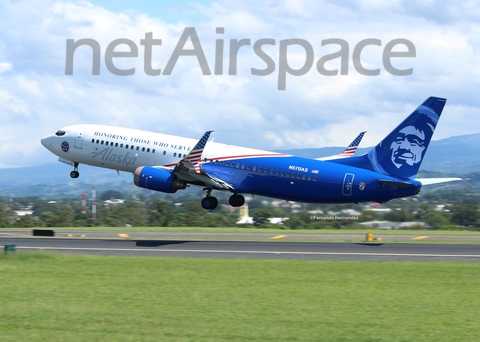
<point>75,173</point>
<point>209,202</point>
<point>236,200</point>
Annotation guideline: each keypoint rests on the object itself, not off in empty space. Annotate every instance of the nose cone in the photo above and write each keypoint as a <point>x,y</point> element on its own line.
<point>47,142</point>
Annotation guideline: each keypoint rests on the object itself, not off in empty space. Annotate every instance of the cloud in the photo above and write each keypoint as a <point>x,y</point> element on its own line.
<point>37,98</point>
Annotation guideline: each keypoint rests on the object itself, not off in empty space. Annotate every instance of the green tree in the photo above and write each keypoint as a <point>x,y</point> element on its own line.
<point>5,216</point>
<point>399,216</point>
<point>466,215</point>
<point>369,215</point>
<point>25,221</point>
<point>436,220</point>
<point>160,213</point>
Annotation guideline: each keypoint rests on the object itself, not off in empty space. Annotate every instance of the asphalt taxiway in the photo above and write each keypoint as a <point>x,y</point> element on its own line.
<point>273,249</point>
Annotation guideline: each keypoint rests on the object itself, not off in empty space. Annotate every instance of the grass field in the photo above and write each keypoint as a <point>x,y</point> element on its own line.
<point>55,297</point>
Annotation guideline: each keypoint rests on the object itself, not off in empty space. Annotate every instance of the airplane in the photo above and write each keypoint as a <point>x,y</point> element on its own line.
<point>168,163</point>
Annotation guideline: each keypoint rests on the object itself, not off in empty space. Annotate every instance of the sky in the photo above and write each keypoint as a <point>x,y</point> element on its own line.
<point>38,96</point>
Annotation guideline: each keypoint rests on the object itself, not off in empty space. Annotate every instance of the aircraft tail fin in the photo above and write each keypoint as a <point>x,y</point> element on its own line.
<point>401,152</point>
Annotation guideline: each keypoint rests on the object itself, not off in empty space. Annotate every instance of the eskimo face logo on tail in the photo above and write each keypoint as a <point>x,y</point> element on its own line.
<point>402,151</point>
<point>408,147</point>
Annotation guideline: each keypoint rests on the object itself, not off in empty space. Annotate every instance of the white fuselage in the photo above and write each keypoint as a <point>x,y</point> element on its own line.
<point>126,149</point>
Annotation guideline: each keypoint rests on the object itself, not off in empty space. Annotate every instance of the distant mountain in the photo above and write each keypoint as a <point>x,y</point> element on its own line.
<point>451,156</point>
<point>54,179</point>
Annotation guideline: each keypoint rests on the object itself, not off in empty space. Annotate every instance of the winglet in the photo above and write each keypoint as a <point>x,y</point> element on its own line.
<point>352,148</point>
<point>195,154</point>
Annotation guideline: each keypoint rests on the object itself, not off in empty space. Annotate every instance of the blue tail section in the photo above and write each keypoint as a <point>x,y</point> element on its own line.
<point>401,152</point>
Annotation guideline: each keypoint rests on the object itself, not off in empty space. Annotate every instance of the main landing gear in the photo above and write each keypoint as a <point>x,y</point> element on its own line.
<point>210,202</point>
<point>236,200</point>
<point>75,173</point>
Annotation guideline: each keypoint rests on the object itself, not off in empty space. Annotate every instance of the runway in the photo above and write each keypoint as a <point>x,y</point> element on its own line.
<point>251,249</point>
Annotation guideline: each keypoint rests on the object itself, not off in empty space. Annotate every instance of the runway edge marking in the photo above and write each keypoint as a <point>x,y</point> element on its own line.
<point>250,252</point>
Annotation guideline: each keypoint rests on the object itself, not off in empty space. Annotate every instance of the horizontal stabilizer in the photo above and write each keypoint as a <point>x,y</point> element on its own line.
<point>428,181</point>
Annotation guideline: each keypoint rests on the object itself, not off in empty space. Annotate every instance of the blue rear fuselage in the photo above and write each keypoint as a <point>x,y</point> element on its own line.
<point>308,180</point>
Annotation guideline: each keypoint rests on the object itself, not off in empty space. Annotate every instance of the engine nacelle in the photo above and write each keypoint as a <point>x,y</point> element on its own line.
<point>157,179</point>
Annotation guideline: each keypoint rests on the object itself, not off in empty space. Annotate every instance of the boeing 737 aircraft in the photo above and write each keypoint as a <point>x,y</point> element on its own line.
<point>169,163</point>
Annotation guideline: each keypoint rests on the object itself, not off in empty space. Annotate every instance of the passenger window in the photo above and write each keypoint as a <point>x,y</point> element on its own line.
<point>111,144</point>
<point>226,163</point>
<point>314,179</point>
<point>288,174</point>
<point>148,149</point>
<point>143,149</point>
<point>271,171</point>
<point>248,167</point>
<point>243,166</point>
<point>303,177</point>
<point>164,152</point>
<point>259,169</point>
<point>126,146</point>
<point>237,165</point>
<point>153,151</point>
<point>309,178</point>
<point>121,145</point>
<point>277,172</point>
<point>98,141</point>
<point>254,168</point>
<point>131,147</point>
<point>138,148</point>
<point>283,173</point>
<point>93,140</point>
<point>116,144</point>
<point>175,154</point>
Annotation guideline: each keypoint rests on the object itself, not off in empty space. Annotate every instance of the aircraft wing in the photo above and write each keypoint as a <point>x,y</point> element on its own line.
<point>428,181</point>
<point>188,169</point>
<point>349,151</point>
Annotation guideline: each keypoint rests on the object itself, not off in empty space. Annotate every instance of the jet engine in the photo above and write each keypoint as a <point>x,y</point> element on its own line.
<point>157,179</point>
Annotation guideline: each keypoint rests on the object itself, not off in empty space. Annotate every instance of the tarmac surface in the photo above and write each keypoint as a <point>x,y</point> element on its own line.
<point>237,245</point>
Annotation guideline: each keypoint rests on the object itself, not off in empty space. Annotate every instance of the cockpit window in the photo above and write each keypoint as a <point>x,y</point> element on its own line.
<point>60,133</point>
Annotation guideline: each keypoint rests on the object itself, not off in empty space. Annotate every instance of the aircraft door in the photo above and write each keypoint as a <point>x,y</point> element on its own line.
<point>348,184</point>
<point>79,138</point>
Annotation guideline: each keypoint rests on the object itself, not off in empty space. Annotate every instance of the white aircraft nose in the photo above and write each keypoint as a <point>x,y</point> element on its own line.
<point>46,141</point>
